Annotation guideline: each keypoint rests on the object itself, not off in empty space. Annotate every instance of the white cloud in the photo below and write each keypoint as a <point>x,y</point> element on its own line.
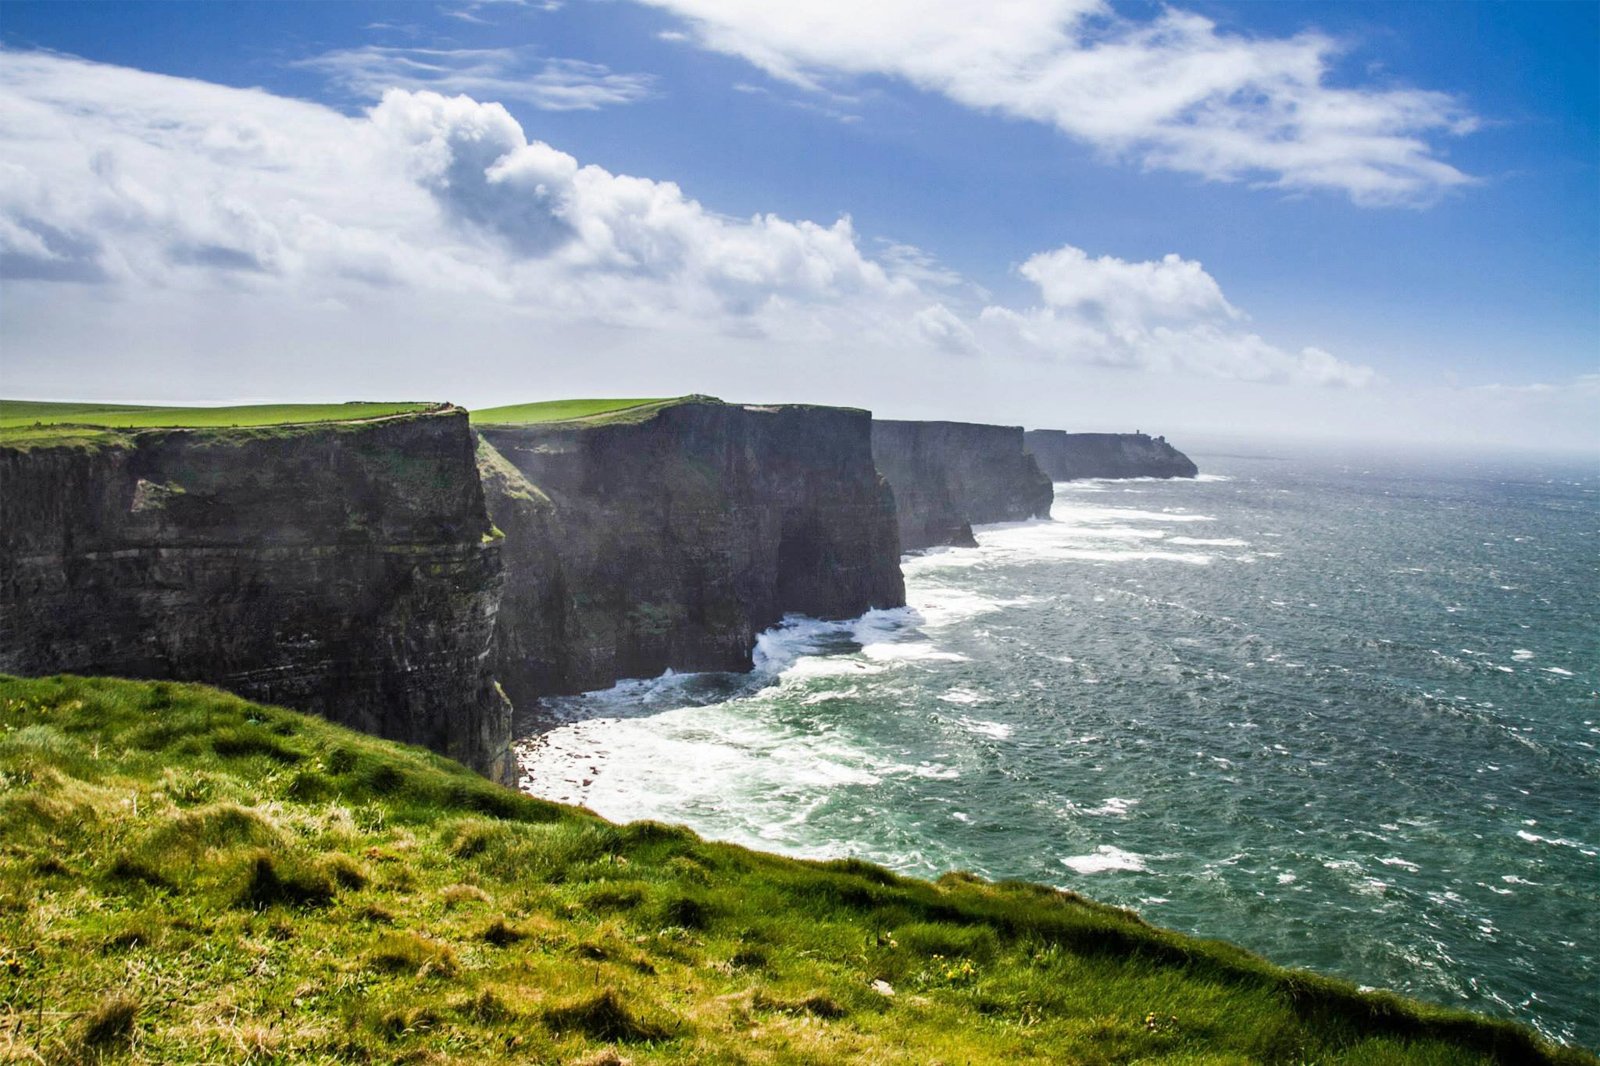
<point>180,211</point>
<point>1167,316</point>
<point>1125,293</point>
<point>497,73</point>
<point>1172,92</point>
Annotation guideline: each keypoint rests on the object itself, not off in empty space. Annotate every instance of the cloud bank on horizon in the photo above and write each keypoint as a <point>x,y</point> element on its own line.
<point>140,182</point>
<point>1173,92</point>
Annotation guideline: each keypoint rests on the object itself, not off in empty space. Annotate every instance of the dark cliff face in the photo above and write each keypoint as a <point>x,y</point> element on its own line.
<point>632,547</point>
<point>1065,456</point>
<point>344,569</point>
<point>949,476</point>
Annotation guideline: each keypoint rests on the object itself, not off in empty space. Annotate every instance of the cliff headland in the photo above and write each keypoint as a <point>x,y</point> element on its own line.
<point>1069,456</point>
<point>668,535</point>
<point>338,560</point>
<point>949,476</point>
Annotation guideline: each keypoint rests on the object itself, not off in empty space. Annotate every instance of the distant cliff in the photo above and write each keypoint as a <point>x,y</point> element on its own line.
<point>1066,456</point>
<point>344,568</point>
<point>948,476</point>
<point>671,538</point>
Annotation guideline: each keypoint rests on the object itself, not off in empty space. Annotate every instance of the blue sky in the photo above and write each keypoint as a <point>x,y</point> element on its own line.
<point>1434,239</point>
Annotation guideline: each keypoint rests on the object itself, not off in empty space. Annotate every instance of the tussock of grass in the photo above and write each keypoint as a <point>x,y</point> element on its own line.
<point>257,885</point>
<point>414,954</point>
<point>272,880</point>
<point>110,1022</point>
<point>816,1004</point>
<point>605,1017</point>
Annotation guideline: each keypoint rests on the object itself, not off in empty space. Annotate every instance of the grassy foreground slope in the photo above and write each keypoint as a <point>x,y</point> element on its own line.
<point>188,877</point>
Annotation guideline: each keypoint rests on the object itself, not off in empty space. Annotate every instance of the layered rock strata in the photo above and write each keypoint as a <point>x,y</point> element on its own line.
<point>1067,456</point>
<point>634,545</point>
<point>348,569</point>
<point>949,476</point>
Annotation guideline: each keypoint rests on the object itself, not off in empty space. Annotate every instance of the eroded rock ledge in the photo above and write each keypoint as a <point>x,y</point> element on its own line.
<point>949,476</point>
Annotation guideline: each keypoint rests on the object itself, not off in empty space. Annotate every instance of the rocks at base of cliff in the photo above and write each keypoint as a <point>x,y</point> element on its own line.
<point>949,476</point>
<point>670,542</point>
<point>342,568</point>
<point>1067,456</point>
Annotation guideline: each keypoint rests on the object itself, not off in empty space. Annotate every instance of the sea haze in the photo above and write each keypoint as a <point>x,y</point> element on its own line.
<point>1342,713</point>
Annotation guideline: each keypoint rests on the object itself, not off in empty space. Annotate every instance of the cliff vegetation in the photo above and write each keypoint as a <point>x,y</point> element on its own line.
<point>29,421</point>
<point>189,877</point>
<point>526,414</point>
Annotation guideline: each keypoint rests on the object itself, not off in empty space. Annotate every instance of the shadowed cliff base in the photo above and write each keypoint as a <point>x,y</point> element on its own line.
<point>950,476</point>
<point>1069,456</point>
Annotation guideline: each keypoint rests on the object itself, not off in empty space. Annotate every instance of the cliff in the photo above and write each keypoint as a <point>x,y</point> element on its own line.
<point>671,536</point>
<point>343,568</point>
<point>1066,456</point>
<point>949,476</point>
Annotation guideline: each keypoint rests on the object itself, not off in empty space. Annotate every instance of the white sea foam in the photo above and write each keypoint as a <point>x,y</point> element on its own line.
<point>1083,514</point>
<point>1404,864</point>
<point>963,696</point>
<point>940,605</point>
<point>1219,542</point>
<point>1560,842</point>
<point>1104,859</point>
<point>911,651</point>
<point>984,728</point>
<point>735,775</point>
<point>1113,805</point>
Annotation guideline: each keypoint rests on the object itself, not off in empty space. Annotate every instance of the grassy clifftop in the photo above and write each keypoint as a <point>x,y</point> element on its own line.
<point>188,877</point>
<point>29,423</point>
<point>588,412</point>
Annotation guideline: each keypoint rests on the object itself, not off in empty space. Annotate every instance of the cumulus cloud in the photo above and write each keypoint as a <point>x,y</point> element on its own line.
<point>488,73</point>
<point>1172,92</point>
<point>171,192</point>
<point>1171,288</point>
<point>1166,315</point>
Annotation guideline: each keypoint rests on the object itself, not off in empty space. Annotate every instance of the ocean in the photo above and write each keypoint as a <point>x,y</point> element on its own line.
<point>1342,712</point>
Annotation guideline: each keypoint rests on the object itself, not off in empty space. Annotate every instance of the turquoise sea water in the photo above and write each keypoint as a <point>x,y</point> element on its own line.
<point>1343,713</point>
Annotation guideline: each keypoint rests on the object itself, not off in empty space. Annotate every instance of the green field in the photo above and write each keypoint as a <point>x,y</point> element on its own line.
<point>527,414</point>
<point>26,424</point>
<point>188,877</point>
<point>16,414</point>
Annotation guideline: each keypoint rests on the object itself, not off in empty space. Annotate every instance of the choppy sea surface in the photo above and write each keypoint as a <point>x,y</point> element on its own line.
<point>1343,713</point>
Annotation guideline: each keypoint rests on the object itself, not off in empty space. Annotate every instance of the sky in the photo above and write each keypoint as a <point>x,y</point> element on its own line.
<point>1341,221</point>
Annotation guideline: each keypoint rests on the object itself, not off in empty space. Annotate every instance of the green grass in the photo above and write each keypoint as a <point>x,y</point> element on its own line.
<point>31,423</point>
<point>188,877</point>
<point>16,414</point>
<point>589,411</point>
